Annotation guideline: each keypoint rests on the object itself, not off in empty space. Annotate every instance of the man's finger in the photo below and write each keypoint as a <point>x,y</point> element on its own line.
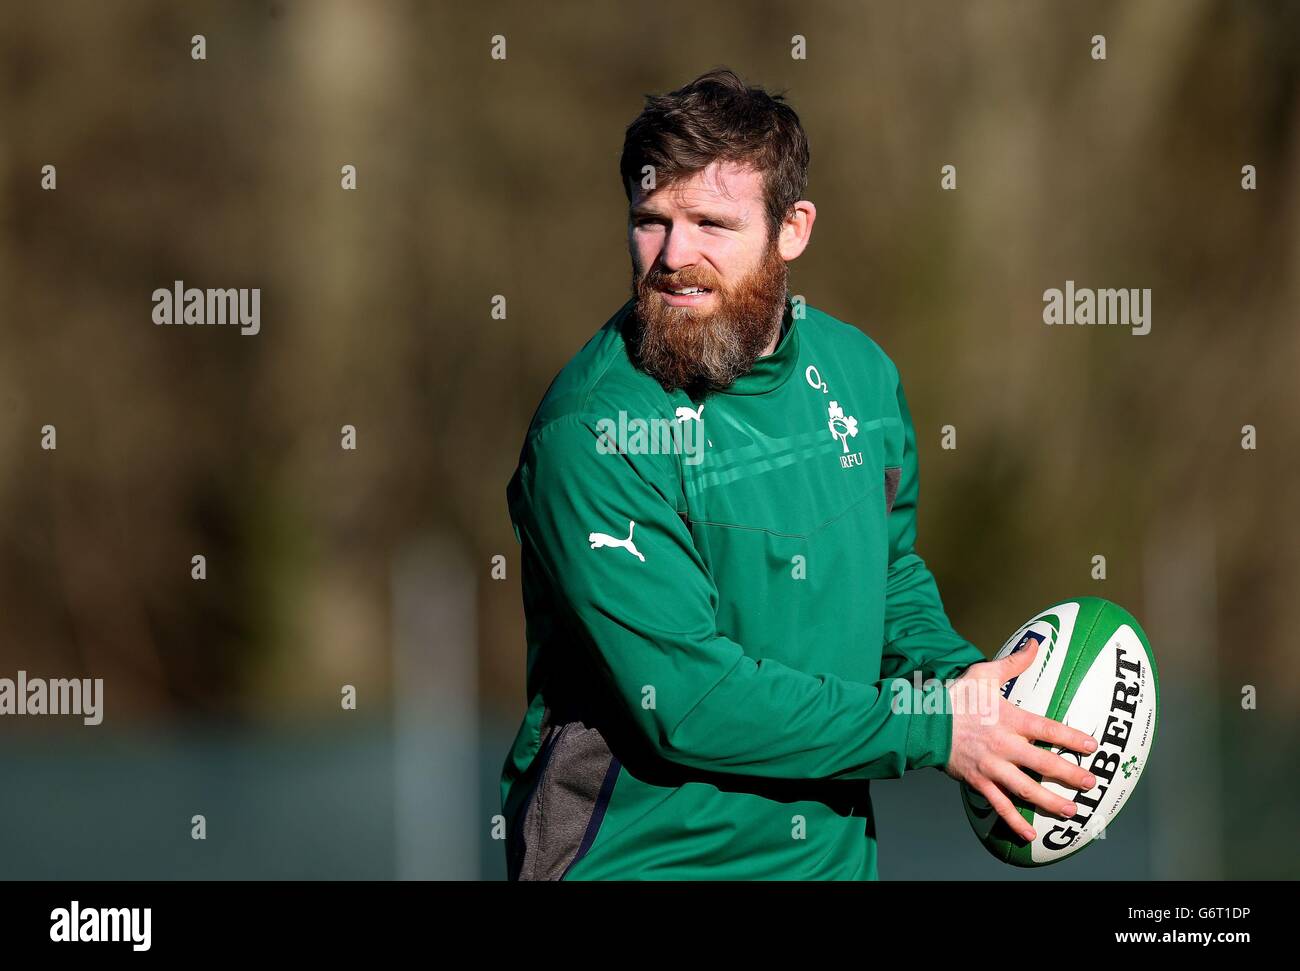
<point>1010,815</point>
<point>1016,783</point>
<point>1052,766</point>
<point>1038,728</point>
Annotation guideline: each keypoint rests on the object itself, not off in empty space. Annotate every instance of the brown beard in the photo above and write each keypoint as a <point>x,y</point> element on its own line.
<point>701,351</point>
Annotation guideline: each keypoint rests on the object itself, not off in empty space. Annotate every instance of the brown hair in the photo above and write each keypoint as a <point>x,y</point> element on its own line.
<point>717,117</point>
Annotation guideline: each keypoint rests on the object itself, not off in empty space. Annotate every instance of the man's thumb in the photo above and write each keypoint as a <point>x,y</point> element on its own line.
<point>1017,663</point>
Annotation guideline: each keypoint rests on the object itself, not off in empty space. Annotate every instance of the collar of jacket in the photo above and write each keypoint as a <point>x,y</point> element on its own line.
<point>772,371</point>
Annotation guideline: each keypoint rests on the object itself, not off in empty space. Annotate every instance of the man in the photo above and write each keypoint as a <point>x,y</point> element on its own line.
<point>714,627</point>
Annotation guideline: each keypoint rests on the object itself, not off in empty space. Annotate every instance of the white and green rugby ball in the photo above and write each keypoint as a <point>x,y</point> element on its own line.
<point>1095,672</point>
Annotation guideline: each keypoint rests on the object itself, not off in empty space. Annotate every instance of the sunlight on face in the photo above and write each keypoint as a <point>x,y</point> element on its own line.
<point>705,233</point>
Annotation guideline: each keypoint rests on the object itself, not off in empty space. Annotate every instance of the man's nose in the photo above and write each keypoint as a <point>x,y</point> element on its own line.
<point>679,250</point>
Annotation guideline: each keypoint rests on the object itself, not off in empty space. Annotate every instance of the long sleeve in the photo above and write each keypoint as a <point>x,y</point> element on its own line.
<point>918,634</point>
<point>606,533</point>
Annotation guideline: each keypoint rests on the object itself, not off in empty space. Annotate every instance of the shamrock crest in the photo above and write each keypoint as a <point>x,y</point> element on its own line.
<point>843,427</point>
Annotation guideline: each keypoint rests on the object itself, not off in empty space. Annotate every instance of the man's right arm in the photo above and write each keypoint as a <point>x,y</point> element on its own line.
<point>650,627</point>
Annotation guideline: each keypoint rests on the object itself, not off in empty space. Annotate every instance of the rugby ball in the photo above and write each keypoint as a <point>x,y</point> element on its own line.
<point>1095,672</point>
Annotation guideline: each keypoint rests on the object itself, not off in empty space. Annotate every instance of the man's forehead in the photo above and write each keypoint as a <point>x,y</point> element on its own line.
<point>720,184</point>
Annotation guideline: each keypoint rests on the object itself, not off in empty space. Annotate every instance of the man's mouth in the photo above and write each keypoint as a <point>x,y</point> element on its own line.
<point>684,296</point>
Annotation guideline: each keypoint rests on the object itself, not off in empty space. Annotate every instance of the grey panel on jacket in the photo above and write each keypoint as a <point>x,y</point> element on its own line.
<point>564,799</point>
<point>892,475</point>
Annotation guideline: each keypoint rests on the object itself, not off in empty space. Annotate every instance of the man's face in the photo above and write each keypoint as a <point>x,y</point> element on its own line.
<point>707,234</point>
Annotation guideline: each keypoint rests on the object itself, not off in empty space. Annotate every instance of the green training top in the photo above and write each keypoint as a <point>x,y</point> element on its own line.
<point>718,596</point>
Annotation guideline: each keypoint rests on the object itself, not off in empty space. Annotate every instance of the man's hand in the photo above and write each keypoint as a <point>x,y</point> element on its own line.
<point>989,748</point>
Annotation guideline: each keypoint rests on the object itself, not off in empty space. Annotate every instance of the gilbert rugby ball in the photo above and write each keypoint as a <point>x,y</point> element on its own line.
<point>1095,672</point>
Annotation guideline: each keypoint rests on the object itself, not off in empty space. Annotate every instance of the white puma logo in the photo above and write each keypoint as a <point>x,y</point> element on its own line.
<point>597,540</point>
<point>690,414</point>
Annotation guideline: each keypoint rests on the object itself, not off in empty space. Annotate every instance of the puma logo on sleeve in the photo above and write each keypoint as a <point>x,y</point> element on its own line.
<point>597,540</point>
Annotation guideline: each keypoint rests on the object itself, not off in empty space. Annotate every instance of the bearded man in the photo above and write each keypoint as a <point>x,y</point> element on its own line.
<point>723,652</point>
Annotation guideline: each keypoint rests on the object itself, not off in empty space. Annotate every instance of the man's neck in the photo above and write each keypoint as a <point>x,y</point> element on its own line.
<point>776,335</point>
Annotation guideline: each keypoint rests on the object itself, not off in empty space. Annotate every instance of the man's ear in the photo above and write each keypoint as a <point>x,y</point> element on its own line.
<point>796,230</point>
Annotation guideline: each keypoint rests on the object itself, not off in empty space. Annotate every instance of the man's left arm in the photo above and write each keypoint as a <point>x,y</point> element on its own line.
<point>918,634</point>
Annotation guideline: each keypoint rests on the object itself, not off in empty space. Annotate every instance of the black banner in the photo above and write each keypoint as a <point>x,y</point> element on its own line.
<point>336,920</point>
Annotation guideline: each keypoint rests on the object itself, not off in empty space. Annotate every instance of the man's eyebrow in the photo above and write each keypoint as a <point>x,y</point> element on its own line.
<point>637,212</point>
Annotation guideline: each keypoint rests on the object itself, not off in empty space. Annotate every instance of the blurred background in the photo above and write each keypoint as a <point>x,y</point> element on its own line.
<point>478,177</point>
